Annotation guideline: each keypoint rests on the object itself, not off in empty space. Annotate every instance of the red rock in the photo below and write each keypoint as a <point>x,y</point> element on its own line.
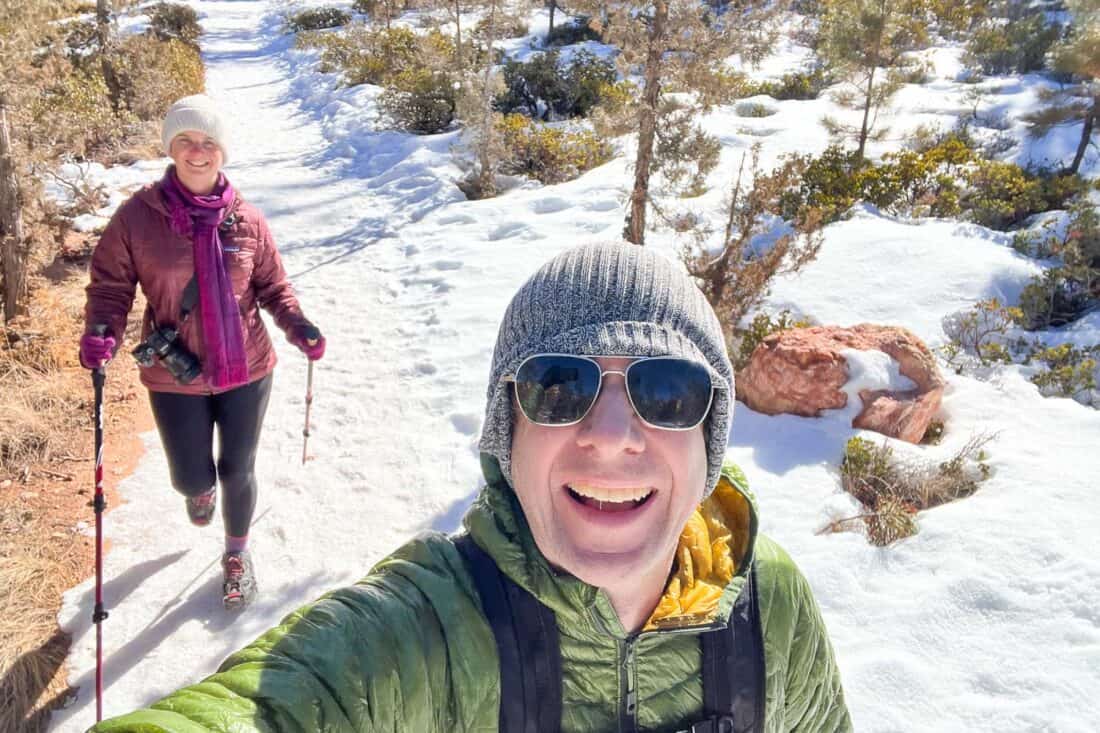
<point>802,371</point>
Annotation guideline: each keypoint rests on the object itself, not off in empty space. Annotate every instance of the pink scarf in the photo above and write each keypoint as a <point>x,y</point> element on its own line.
<point>225,364</point>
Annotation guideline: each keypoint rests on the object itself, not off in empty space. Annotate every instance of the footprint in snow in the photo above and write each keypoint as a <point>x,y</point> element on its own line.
<point>465,423</point>
<point>550,205</point>
<point>512,229</point>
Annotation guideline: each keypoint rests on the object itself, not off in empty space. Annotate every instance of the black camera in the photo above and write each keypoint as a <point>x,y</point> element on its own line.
<point>161,345</point>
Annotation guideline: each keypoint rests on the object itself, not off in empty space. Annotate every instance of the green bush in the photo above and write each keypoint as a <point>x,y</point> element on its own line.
<point>590,79</point>
<point>153,74</point>
<point>1070,372</point>
<point>541,88</point>
<point>569,33</point>
<point>830,183</point>
<point>1002,195</point>
<point>981,332</point>
<point>955,19</point>
<point>892,493</point>
<point>364,55</point>
<point>918,183</point>
<point>794,85</point>
<point>168,21</point>
<point>507,26</point>
<point>548,154</point>
<point>761,326</point>
<point>420,100</point>
<point>315,19</point>
<point>1006,46</point>
<point>1082,245</point>
<point>74,112</point>
<point>1053,298</point>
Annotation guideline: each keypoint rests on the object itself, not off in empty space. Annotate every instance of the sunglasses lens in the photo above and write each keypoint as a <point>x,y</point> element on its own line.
<point>556,390</point>
<point>670,393</point>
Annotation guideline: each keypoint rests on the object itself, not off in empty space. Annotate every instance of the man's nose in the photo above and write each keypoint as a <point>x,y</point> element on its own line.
<point>611,426</point>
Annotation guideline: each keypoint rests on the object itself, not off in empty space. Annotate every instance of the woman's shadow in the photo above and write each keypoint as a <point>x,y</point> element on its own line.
<point>32,672</point>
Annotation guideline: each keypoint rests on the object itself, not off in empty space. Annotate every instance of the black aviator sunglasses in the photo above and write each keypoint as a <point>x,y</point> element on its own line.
<point>666,392</point>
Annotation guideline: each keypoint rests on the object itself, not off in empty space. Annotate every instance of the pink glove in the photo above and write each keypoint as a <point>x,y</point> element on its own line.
<point>309,340</point>
<point>96,351</point>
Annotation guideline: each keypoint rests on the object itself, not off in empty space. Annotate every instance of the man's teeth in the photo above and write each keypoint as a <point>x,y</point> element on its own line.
<point>611,495</point>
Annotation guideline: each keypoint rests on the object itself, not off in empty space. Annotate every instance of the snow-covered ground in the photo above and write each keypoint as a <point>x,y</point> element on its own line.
<point>987,620</point>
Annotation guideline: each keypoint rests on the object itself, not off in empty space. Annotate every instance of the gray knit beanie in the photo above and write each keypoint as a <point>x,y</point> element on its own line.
<point>196,112</point>
<point>609,300</point>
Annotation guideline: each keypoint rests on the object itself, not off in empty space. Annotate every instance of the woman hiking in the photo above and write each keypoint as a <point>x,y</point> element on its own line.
<point>206,262</point>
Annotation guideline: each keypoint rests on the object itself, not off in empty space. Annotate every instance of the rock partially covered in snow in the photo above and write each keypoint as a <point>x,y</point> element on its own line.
<point>805,371</point>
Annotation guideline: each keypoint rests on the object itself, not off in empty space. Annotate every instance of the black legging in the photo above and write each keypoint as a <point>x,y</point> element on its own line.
<point>186,427</point>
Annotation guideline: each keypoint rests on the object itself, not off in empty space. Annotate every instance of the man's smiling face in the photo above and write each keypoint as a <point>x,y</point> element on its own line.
<point>608,497</point>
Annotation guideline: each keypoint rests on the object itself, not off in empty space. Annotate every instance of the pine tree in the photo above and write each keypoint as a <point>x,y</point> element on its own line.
<point>1079,56</point>
<point>680,45</point>
<point>866,41</point>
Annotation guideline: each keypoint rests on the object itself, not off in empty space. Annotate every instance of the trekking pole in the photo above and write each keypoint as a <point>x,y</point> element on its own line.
<point>100,503</point>
<point>309,401</point>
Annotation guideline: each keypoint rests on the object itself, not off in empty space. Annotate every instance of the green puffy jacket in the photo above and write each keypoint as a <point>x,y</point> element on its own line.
<point>407,648</point>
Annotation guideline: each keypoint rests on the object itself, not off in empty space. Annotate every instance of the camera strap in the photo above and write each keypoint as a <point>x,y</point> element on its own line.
<point>190,298</point>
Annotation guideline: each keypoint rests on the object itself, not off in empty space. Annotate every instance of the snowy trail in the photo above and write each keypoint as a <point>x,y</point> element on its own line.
<point>984,621</point>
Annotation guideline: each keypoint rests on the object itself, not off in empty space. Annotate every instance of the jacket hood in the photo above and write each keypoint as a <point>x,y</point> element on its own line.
<point>713,556</point>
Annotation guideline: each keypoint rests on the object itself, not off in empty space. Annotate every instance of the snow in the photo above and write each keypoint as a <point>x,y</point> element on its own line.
<point>987,620</point>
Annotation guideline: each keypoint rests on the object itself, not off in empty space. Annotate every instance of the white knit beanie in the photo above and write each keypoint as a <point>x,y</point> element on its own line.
<point>611,300</point>
<point>197,112</point>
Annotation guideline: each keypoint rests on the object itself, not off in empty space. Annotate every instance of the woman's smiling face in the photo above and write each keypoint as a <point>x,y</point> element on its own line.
<point>198,160</point>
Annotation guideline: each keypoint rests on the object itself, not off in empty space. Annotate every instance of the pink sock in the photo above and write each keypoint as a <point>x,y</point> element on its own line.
<point>236,544</point>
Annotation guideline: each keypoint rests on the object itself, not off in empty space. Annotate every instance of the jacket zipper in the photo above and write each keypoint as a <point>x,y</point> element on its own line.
<point>628,717</point>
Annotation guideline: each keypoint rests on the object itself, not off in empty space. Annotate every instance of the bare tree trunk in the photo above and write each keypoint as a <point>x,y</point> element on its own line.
<point>634,231</point>
<point>458,35</point>
<point>553,6</point>
<point>11,223</point>
<point>106,64</point>
<point>486,179</point>
<point>863,131</point>
<point>1086,134</point>
<point>103,22</point>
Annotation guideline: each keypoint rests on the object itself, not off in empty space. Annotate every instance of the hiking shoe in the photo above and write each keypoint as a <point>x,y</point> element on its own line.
<point>239,586</point>
<point>200,509</point>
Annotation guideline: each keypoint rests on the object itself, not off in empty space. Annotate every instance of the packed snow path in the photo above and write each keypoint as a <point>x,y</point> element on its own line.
<point>985,621</point>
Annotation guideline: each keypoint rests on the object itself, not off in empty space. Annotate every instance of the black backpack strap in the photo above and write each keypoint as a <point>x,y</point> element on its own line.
<point>528,646</point>
<point>733,669</point>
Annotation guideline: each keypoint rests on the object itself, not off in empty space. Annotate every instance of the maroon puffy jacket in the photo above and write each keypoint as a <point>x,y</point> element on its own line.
<point>139,247</point>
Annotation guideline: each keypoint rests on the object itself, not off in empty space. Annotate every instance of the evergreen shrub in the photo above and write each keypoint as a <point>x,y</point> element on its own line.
<point>548,154</point>
<point>891,492</point>
<point>1070,371</point>
<point>762,325</point>
<point>365,55</point>
<point>1053,298</point>
<point>73,112</point>
<point>315,19</point>
<point>575,31</point>
<point>168,21</point>
<point>506,26</point>
<point>542,88</point>
<point>153,74</point>
<point>420,100</point>
<point>794,85</point>
<point>1007,46</point>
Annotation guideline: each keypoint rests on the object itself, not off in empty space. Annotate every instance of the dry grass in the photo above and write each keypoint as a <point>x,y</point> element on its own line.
<point>893,492</point>
<point>45,488</point>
